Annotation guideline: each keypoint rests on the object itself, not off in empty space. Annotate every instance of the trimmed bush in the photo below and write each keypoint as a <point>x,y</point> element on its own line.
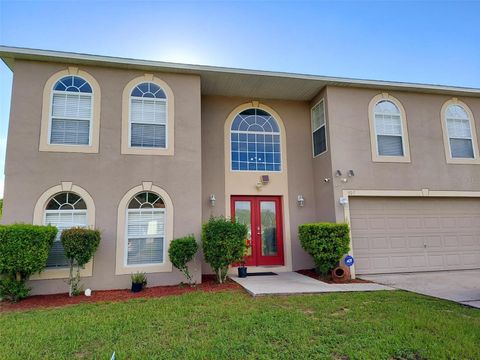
<point>79,245</point>
<point>181,252</point>
<point>24,251</point>
<point>224,243</point>
<point>13,290</point>
<point>326,243</point>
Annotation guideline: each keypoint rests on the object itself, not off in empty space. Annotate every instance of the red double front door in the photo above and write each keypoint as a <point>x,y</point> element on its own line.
<point>263,216</point>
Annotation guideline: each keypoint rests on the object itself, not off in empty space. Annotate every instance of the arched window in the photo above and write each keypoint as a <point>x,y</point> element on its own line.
<point>71,112</point>
<point>388,129</point>
<point>145,230</point>
<point>255,142</point>
<point>148,116</point>
<point>64,210</point>
<point>459,132</point>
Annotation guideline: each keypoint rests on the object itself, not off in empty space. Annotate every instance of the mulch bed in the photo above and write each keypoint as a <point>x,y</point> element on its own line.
<point>311,273</point>
<point>57,300</point>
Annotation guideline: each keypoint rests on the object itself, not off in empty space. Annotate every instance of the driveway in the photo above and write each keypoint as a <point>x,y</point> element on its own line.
<point>462,286</point>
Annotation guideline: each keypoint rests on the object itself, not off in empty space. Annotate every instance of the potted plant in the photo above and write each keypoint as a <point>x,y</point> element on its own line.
<point>242,269</point>
<point>139,281</point>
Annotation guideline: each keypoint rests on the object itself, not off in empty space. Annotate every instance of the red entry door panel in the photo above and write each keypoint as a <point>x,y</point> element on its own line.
<point>263,216</point>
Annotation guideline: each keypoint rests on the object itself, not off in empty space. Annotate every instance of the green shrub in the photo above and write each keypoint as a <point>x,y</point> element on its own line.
<point>24,251</point>
<point>79,245</point>
<point>181,252</point>
<point>224,243</point>
<point>13,290</point>
<point>139,278</point>
<point>326,243</point>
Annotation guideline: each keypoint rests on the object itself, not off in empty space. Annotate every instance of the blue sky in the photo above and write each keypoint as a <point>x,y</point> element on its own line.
<point>427,41</point>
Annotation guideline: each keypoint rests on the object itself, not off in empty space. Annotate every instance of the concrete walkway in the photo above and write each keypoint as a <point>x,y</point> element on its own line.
<point>462,286</point>
<point>294,283</point>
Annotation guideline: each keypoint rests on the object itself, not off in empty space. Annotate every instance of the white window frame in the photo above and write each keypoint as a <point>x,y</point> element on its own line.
<point>69,211</point>
<point>373,131</point>
<point>125,259</point>
<point>279,133</point>
<point>120,268</point>
<point>446,138</point>
<point>324,125</point>
<point>377,134</point>
<point>38,219</point>
<point>90,120</point>
<point>460,138</point>
<point>66,211</point>
<point>165,101</point>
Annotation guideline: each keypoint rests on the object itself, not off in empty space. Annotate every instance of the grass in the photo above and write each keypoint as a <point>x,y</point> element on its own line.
<point>232,325</point>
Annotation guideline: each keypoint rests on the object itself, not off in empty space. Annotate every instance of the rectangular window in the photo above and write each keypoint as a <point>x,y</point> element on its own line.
<point>319,124</point>
<point>388,130</point>
<point>148,120</point>
<point>62,219</point>
<point>256,152</point>
<point>71,117</point>
<point>460,138</point>
<point>146,234</point>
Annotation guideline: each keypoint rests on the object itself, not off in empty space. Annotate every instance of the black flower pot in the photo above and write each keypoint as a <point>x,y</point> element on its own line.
<point>137,287</point>
<point>242,272</point>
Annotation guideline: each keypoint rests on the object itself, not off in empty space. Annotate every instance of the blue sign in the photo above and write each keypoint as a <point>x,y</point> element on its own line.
<point>349,260</point>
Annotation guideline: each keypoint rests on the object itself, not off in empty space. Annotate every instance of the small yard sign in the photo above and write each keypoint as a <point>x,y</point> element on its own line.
<point>349,260</point>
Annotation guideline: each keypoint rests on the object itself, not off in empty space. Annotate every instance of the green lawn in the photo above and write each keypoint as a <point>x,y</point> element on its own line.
<point>232,325</point>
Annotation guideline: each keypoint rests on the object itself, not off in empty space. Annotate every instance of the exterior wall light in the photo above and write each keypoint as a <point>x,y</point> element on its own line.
<point>212,200</point>
<point>300,201</point>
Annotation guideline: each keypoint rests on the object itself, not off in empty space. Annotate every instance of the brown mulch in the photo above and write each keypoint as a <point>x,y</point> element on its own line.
<point>311,273</point>
<point>58,300</point>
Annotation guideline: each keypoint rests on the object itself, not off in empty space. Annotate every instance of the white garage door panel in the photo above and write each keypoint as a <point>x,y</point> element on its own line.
<point>415,234</point>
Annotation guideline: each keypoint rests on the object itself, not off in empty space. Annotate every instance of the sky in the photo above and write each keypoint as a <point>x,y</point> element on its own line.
<point>435,42</point>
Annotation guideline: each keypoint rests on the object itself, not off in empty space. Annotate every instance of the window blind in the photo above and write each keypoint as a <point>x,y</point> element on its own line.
<point>71,116</point>
<point>146,234</point>
<point>389,134</point>
<point>148,119</point>
<point>460,137</point>
<point>62,219</point>
<point>390,145</point>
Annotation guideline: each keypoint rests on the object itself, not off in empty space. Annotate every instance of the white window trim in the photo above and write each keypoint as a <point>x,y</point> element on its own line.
<point>90,120</point>
<point>120,267</point>
<point>38,219</point>
<point>63,212</point>
<point>125,259</point>
<point>373,132</point>
<point>324,125</point>
<point>279,133</point>
<point>126,116</point>
<point>446,138</point>
<point>130,122</point>
<point>94,128</point>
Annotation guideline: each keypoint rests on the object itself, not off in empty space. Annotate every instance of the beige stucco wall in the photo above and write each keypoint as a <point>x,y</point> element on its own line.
<point>108,175</point>
<point>199,167</point>
<point>299,172</point>
<point>322,169</point>
<point>428,169</point>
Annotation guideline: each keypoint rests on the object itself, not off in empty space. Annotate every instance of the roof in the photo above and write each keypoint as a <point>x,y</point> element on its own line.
<point>225,81</point>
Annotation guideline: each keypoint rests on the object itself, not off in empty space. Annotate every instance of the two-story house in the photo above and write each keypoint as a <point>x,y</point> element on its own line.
<point>147,151</point>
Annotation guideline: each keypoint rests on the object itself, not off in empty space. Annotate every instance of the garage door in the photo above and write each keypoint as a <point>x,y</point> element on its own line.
<point>415,234</point>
